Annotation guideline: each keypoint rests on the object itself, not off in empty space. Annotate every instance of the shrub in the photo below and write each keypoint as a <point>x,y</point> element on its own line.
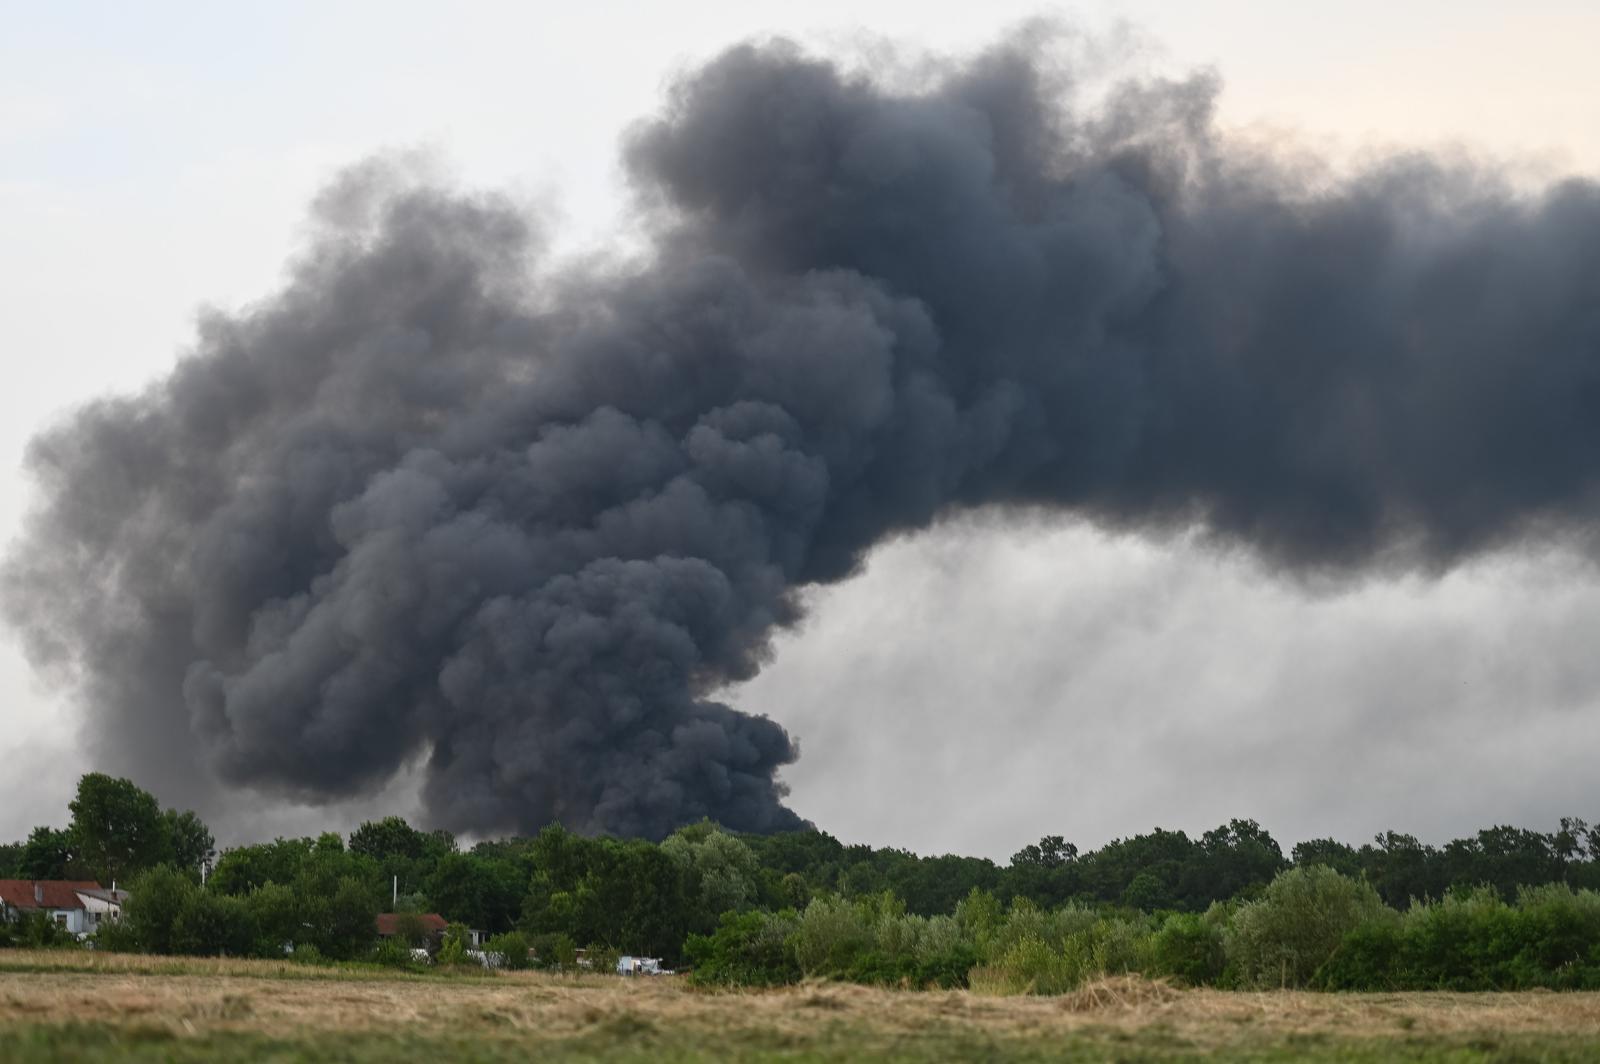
<point>209,924</point>
<point>410,929</point>
<point>453,947</point>
<point>1367,958</point>
<point>1118,946</point>
<point>830,935</point>
<point>392,953</point>
<point>115,936</point>
<point>155,899</point>
<point>309,954</point>
<point>1559,936</point>
<point>275,916</point>
<point>947,969</point>
<point>602,958</point>
<point>1188,948</point>
<point>1465,941</point>
<point>37,930</point>
<point>556,951</point>
<point>746,949</point>
<point>348,922</point>
<point>1032,966</point>
<point>1297,924</point>
<point>512,948</point>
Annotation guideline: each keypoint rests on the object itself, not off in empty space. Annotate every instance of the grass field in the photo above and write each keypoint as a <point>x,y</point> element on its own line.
<point>82,1006</point>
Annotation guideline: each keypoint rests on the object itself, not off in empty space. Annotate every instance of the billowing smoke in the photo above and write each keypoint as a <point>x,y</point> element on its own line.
<point>435,500</point>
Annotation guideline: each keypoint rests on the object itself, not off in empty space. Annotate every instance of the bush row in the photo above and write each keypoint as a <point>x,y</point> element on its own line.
<point>1310,927</point>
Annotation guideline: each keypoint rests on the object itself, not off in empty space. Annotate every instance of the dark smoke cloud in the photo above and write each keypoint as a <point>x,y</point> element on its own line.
<point>419,505</point>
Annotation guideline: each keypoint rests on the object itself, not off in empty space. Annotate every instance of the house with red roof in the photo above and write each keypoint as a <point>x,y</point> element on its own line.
<point>431,925</point>
<point>79,906</point>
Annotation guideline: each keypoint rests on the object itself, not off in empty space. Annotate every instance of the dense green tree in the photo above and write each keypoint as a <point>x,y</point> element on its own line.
<point>245,868</point>
<point>725,874</point>
<point>1238,858</point>
<point>1046,873</point>
<point>211,924</point>
<point>1504,858</point>
<point>1161,855</point>
<point>341,923</point>
<point>815,856</point>
<point>485,894</point>
<point>155,898</point>
<point>189,843</point>
<point>49,853</point>
<point>1335,855</point>
<point>118,827</point>
<point>275,917</point>
<point>1401,868</point>
<point>1297,924</point>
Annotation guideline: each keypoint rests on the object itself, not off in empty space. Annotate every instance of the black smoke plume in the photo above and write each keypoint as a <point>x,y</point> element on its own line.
<point>433,500</point>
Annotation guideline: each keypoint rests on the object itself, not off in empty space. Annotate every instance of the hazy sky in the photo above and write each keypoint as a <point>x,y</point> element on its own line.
<point>160,159</point>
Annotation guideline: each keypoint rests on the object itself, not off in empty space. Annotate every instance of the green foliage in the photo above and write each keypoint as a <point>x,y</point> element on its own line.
<point>1282,938</point>
<point>513,949</point>
<point>723,870</point>
<point>1336,855</point>
<point>1368,958</point>
<point>309,954</point>
<point>555,951</point>
<point>453,947</point>
<point>1030,965</point>
<point>1188,948</point>
<point>189,843</point>
<point>1472,940</point>
<point>479,892</point>
<point>601,958</point>
<point>49,854</point>
<point>746,949</point>
<point>345,926</point>
<point>118,826</point>
<point>274,914</point>
<point>34,930</point>
<point>155,899</point>
<point>410,930</point>
<point>116,936</point>
<point>244,868</point>
<point>830,934</point>
<point>628,894</point>
<point>213,924</point>
<point>390,837</point>
<point>392,953</point>
<point>1494,910</point>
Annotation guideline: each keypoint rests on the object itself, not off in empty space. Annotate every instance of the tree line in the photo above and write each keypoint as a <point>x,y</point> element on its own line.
<point>717,899</point>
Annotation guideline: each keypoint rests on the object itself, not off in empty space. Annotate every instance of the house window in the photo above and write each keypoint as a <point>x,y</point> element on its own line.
<point>61,918</point>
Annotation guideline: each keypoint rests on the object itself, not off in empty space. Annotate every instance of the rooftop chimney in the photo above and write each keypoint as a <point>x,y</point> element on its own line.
<point>38,893</point>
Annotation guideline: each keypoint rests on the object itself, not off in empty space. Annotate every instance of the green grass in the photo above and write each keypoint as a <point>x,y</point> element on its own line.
<point>27,1044</point>
<point>78,960</point>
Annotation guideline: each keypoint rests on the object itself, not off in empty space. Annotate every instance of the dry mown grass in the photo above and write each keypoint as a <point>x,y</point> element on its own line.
<point>192,996</point>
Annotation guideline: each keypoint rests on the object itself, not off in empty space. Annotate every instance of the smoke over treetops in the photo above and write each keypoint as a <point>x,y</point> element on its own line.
<point>434,500</point>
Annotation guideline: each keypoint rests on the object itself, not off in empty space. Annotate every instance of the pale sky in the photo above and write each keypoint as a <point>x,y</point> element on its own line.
<point>158,158</point>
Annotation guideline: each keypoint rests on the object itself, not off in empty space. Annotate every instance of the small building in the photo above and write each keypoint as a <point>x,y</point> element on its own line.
<point>432,925</point>
<point>78,906</point>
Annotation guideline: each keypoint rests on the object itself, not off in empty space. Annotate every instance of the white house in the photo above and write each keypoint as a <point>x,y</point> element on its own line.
<point>78,906</point>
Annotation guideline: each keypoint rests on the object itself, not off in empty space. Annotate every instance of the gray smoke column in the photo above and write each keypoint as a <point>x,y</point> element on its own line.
<point>417,504</point>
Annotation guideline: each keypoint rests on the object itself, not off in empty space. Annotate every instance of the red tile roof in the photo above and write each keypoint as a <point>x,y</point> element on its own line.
<point>389,923</point>
<point>58,893</point>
